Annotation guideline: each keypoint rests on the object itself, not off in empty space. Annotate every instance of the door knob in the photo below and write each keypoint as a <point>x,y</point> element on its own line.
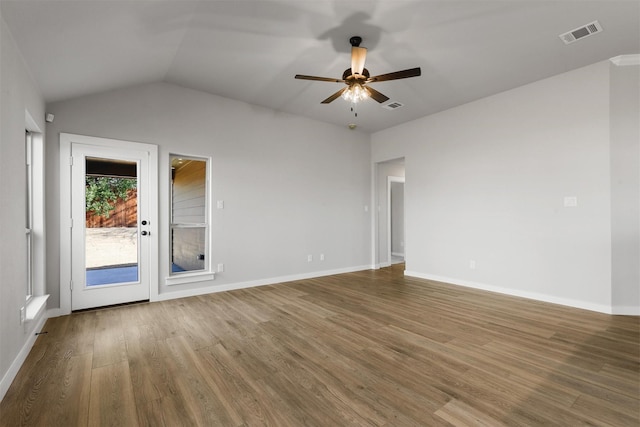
<point>144,222</point>
<point>145,233</point>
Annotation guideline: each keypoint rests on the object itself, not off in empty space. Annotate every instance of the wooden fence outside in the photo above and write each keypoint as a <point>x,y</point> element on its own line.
<point>125,214</point>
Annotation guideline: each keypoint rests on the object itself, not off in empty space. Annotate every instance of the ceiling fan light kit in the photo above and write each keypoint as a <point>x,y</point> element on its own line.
<point>357,78</point>
<point>355,93</point>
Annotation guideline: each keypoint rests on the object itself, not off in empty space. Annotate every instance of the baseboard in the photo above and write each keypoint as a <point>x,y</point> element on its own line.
<point>254,283</point>
<point>514,292</point>
<point>22,355</point>
<point>625,310</point>
<point>56,312</point>
<point>398,254</point>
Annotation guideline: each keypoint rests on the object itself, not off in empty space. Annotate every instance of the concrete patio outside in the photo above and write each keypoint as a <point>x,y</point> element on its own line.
<point>111,246</point>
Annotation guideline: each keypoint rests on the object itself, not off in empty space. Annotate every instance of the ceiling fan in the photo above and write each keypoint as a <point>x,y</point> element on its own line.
<point>357,77</point>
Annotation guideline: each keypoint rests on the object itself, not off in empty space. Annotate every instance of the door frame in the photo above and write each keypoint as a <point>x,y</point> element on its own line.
<point>66,143</point>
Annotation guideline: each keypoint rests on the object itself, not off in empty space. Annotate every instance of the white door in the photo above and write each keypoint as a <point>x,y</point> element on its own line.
<point>110,225</point>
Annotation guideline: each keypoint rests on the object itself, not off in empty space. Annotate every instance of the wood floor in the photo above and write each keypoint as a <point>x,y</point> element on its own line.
<point>371,348</point>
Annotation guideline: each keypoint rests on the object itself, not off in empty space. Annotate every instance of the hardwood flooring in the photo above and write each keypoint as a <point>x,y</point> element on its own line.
<point>371,348</point>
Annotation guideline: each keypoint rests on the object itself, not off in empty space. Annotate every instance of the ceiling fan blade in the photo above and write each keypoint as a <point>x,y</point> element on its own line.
<point>376,95</point>
<point>320,79</point>
<point>334,96</point>
<point>358,56</point>
<point>411,72</point>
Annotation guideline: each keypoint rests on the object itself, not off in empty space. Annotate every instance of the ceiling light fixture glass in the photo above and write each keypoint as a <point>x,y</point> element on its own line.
<point>355,93</point>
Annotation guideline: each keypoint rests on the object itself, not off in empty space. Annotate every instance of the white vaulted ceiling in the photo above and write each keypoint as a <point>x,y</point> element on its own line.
<point>251,50</point>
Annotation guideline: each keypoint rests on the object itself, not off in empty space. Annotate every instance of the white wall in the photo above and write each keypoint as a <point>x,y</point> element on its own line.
<point>486,182</point>
<point>291,186</point>
<point>18,95</point>
<point>625,187</point>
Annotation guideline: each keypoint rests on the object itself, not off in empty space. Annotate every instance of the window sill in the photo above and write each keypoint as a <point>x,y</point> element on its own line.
<point>181,279</point>
<point>35,307</point>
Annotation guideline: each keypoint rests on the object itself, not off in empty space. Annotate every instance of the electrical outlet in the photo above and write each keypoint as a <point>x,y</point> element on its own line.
<point>570,201</point>
<point>321,257</point>
<point>472,264</point>
<point>220,268</point>
<point>309,258</point>
<point>23,315</point>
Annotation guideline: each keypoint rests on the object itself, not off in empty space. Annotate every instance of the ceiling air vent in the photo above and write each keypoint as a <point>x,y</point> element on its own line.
<point>393,105</point>
<point>581,32</point>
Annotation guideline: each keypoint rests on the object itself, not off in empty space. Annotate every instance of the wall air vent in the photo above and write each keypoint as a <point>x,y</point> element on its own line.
<point>392,105</point>
<point>581,32</point>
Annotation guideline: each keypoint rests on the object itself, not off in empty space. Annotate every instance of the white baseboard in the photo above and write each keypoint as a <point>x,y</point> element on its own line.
<point>56,312</point>
<point>22,355</point>
<point>398,254</point>
<point>254,283</point>
<point>625,310</point>
<point>515,292</point>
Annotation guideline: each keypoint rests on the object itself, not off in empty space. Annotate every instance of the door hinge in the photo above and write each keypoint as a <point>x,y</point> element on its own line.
<point>70,222</point>
<point>71,284</point>
<point>71,161</point>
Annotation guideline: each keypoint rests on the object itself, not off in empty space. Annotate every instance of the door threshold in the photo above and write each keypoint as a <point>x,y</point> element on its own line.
<point>105,307</point>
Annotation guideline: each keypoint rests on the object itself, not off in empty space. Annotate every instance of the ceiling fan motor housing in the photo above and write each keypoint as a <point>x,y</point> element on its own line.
<point>348,73</point>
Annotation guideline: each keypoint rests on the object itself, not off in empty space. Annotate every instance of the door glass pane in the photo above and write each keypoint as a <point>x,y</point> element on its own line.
<point>111,237</point>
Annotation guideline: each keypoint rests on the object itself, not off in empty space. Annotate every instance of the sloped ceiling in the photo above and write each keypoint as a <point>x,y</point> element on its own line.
<point>251,50</point>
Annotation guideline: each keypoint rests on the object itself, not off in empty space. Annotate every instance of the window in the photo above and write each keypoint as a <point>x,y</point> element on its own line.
<point>190,213</point>
<point>36,299</point>
<point>29,212</point>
